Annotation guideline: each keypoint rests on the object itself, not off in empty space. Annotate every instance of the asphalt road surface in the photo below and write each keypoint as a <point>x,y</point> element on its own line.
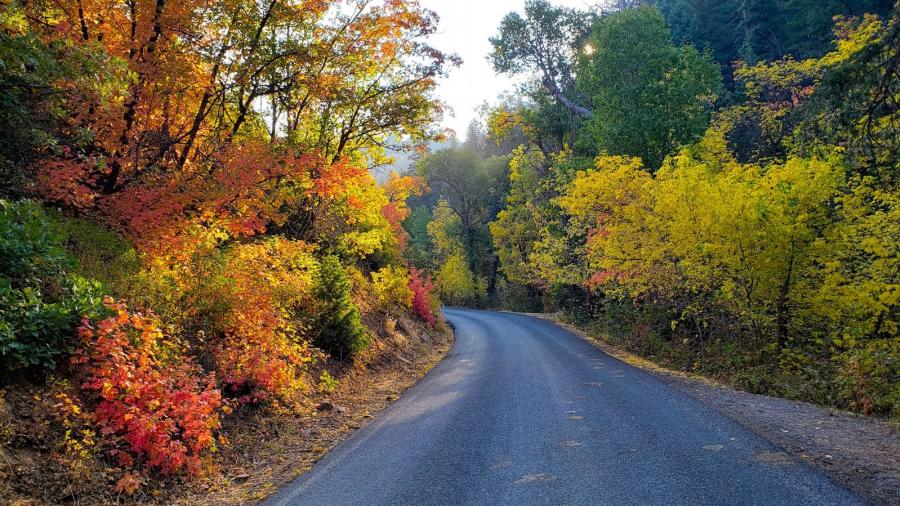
<point>523,412</point>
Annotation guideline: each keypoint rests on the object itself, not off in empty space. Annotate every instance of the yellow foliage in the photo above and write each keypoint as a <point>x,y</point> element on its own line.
<point>456,283</point>
<point>390,286</point>
<point>444,229</point>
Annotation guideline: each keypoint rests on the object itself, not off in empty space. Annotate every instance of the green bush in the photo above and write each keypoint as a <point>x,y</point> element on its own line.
<point>337,328</point>
<point>104,255</point>
<point>41,300</point>
<point>31,245</point>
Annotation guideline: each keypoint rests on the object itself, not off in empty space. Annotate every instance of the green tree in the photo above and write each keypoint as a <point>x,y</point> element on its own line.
<point>857,104</point>
<point>648,95</point>
<point>760,30</point>
<point>543,41</point>
<point>337,327</point>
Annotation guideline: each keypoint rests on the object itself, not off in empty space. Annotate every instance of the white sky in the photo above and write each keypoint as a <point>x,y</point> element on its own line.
<point>464,29</point>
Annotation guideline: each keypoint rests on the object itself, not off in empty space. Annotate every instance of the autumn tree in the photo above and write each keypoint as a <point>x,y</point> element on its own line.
<point>338,80</point>
<point>472,188</point>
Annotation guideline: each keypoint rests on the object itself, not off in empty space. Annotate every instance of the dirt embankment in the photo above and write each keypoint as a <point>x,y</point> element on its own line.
<point>860,452</point>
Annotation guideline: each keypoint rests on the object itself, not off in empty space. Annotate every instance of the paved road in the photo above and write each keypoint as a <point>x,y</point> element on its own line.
<point>523,412</point>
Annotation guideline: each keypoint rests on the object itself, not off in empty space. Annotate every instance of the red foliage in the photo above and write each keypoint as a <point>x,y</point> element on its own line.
<point>423,301</point>
<point>601,278</point>
<point>68,180</point>
<point>153,405</point>
<point>246,188</point>
<point>331,180</point>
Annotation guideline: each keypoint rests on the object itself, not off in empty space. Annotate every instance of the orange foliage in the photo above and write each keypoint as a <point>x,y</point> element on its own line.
<point>263,353</point>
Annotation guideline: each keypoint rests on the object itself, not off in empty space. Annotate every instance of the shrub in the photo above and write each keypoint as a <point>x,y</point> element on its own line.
<point>391,288</point>
<point>327,383</point>
<point>338,328</point>
<point>153,405</point>
<point>242,305</point>
<point>423,303</point>
<point>31,245</point>
<point>36,330</point>
<point>41,302</point>
<point>103,255</point>
<point>264,351</point>
<point>457,284</point>
<point>190,288</point>
<point>869,377</point>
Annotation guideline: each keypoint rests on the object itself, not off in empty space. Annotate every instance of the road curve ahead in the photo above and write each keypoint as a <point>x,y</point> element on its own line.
<point>523,412</point>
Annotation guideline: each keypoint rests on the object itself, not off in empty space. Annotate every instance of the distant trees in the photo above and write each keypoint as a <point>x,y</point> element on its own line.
<point>467,189</point>
<point>761,30</point>
<point>620,74</point>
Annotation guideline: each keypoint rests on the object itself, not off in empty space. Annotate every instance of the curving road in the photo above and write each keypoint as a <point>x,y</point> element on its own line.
<point>523,412</point>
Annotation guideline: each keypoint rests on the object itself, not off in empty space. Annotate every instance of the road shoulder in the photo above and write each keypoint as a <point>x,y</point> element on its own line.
<point>862,453</point>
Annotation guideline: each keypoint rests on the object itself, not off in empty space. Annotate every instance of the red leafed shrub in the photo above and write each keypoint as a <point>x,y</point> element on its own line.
<point>152,405</point>
<point>423,300</point>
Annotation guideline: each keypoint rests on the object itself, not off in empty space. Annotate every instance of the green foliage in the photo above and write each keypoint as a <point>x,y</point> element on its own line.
<point>544,27</point>
<point>519,225</point>
<point>419,249</point>
<point>31,244</point>
<point>41,300</point>
<point>542,42</point>
<point>337,326</point>
<point>648,96</point>
<point>470,190</point>
<point>103,255</point>
<point>468,187</point>
<point>758,30</point>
